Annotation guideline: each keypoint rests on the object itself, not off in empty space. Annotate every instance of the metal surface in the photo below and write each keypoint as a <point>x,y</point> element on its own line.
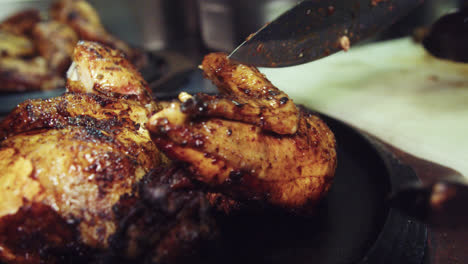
<point>225,24</point>
<point>448,38</point>
<point>315,29</point>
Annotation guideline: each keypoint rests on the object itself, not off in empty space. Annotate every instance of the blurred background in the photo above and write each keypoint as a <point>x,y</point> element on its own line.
<point>196,26</point>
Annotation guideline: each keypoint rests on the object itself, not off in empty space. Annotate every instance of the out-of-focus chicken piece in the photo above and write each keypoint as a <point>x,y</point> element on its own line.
<point>17,75</point>
<point>101,70</point>
<point>84,19</point>
<point>14,45</point>
<point>55,42</point>
<point>247,96</point>
<point>291,171</point>
<point>21,23</point>
<point>68,161</point>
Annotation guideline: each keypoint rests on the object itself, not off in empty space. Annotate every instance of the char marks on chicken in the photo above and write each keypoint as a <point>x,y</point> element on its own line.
<point>105,173</point>
<point>252,146</point>
<point>77,154</point>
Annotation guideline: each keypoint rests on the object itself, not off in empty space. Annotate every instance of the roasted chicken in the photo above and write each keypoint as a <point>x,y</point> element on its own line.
<point>14,45</point>
<point>19,75</point>
<point>104,173</point>
<point>35,54</point>
<point>21,23</point>
<point>69,160</point>
<point>20,67</point>
<point>55,42</point>
<point>102,70</point>
<point>170,220</point>
<point>250,142</point>
<point>84,19</point>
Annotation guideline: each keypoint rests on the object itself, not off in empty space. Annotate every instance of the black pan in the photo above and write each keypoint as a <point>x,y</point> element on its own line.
<point>353,224</point>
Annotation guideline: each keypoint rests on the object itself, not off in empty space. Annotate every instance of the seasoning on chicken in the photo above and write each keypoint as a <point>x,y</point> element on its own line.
<point>251,148</point>
<point>247,96</point>
<point>99,69</point>
<point>74,187</point>
<point>68,160</point>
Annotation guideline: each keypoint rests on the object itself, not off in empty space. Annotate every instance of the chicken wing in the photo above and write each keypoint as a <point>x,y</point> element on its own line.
<point>252,148</point>
<point>55,42</point>
<point>247,96</point>
<point>68,161</point>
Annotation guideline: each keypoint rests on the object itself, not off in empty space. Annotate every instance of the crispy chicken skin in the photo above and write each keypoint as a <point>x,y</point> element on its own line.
<point>101,70</point>
<point>55,42</point>
<point>85,178</point>
<point>251,157</point>
<point>74,156</point>
<point>247,96</point>
<point>84,19</point>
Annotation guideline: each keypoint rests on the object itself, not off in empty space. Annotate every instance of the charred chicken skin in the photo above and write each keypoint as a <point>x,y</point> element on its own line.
<point>250,142</point>
<point>102,70</point>
<point>68,160</point>
<point>106,172</point>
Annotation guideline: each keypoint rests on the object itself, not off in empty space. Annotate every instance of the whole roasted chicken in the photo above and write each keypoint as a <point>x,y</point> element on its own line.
<point>67,161</point>
<point>105,173</point>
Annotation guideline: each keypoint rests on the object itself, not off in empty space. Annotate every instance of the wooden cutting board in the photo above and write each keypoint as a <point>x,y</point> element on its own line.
<point>393,90</point>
